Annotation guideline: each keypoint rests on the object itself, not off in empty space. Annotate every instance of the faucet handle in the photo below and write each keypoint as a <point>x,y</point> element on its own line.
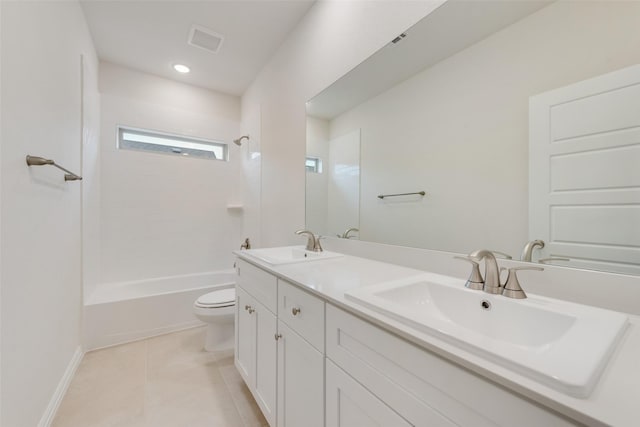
<point>512,288</point>
<point>475,280</point>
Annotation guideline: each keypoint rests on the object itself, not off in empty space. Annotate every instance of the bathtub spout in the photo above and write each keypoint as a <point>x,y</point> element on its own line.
<point>246,244</point>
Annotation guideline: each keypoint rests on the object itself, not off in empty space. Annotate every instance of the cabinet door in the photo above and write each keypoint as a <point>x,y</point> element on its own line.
<point>351,405</point>
<point>265,361</point>
<point>300,381</point>
<point>245,337</point>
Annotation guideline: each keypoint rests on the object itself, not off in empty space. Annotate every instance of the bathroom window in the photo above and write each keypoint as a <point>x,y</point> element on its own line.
<point>313,165</point>
<point>145,140</point>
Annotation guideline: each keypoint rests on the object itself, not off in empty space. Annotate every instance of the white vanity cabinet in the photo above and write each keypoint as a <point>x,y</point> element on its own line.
<point>256,327</point>
<point>309,363</point>
<point>300,381</point>
<point>300,357</point>
<point>279,348</point>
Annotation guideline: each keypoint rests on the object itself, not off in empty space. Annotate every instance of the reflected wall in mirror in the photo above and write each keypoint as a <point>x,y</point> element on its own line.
<point>446,110</point>
<point>333,180</point>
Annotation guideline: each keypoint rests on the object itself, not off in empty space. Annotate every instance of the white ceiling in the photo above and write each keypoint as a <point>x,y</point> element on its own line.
<point>151,36</point>
<point>449,29</point>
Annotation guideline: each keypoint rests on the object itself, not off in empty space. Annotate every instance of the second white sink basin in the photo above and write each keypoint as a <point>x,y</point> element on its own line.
<point>563,345</point>
<point>289,254</point>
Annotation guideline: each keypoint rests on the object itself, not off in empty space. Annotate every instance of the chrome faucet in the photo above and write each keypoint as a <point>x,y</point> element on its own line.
<point>345,235</point>
<point>527,251</point>
<point>313,242</point>
<point>491,272</point>
<point>491,282</point>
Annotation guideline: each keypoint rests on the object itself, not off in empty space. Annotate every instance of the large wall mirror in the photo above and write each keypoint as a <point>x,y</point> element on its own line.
<point>519,120</point>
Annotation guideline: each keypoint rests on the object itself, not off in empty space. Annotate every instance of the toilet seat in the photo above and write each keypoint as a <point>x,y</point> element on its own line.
<point>217,299</point>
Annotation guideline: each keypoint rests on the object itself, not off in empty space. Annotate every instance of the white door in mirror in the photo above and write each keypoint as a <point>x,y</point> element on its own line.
<point>585,172</point>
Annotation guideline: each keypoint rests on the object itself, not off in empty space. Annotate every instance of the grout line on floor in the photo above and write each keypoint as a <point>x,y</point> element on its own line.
<point>233,399</point>
<point>145,409</point>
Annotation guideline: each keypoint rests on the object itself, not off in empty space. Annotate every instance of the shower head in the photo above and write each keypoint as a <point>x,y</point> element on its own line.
<point>238,141</point>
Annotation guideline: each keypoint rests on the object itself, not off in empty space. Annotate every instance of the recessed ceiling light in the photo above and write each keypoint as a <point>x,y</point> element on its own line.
<point>181,68</point>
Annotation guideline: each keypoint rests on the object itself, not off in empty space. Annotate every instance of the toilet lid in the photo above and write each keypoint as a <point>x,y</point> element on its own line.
<point>221,298</point>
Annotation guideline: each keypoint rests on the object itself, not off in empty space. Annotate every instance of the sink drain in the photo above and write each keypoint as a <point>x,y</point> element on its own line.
<point>485,304</point>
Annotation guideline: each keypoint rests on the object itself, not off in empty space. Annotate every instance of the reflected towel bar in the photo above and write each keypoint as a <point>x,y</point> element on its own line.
<point>382,196</point>
<point>41,161</point>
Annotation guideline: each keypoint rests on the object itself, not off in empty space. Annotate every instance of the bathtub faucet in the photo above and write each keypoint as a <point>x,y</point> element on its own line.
<point>246,244</point>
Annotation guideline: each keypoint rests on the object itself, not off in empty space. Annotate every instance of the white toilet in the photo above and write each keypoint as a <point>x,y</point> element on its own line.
<point>216,309</point>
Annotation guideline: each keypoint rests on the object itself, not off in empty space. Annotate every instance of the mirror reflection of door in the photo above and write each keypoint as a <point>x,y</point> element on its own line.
<point>585,172</point>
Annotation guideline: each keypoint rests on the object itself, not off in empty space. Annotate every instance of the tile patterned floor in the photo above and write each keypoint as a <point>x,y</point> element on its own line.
<point>165,381</point>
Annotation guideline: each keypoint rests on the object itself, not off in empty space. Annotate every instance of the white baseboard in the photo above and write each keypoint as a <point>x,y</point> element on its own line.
<point>63,385</point>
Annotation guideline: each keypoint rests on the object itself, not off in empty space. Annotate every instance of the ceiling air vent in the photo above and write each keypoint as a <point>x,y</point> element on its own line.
<point>205,39</point>
<point>399,38</point>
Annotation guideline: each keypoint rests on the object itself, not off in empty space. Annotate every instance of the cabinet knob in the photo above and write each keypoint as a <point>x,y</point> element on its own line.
<point>247,307</point>
<point>277,336</point>
<point>295,311</point>
<point>251,310</point>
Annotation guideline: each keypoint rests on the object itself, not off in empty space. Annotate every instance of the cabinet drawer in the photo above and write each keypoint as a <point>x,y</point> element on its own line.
<point>259,284</point>
<point>302,312</point>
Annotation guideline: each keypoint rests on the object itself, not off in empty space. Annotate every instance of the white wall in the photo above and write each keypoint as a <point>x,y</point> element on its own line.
<point>166,215</point>
<point>332,195</point>
<point>331,39</point>
<point>91,269</point>
<point>317,184</point>
<point>1,144</point>
<point>459,130</point>
<point>41,221</point>
<point>343,169</point>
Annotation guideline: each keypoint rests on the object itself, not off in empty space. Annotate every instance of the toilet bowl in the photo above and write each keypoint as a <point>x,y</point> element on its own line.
<point>217,309</point>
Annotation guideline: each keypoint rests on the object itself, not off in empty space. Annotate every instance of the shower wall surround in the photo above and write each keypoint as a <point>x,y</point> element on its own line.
<point>165,215</point>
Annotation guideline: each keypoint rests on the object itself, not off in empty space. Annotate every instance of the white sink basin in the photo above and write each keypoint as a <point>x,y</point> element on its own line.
<point>563,345</point>
<point>289,254</point>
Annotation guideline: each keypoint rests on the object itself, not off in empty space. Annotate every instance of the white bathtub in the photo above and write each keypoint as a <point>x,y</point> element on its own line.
<point>120,312</point>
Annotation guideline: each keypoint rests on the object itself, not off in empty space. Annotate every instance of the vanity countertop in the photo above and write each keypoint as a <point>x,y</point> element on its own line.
<point>613,401</point>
